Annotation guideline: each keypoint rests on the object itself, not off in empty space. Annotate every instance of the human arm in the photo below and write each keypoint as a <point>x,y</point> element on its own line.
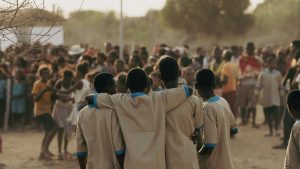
<point>102,100</point>
<point>174,97</point>
<point>38,92</point>
<point>210,132</point>
<point>258,85</point>
<point>233,126</point>
<point>77,86</point>
<point>224,75</point>
<point>117,138</point>
<point>81,147</point>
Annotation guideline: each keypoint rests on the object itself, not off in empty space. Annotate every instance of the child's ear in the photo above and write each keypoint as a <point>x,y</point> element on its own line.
<point>179,73</point>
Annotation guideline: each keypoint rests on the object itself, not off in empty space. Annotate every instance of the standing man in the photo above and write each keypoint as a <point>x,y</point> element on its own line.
<point>216,67</point>
<point>249,69</point>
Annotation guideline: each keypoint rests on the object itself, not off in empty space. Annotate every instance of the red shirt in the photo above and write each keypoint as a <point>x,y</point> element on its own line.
<point>249,61</point>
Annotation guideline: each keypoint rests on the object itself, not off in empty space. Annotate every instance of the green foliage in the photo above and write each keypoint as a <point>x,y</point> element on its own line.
<point>96,28</point>
<point>277,21</point>
<point>214,17</point>
<point>193,22</point>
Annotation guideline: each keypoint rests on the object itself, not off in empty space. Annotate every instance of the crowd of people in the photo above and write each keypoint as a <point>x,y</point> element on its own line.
<point>47,87</point>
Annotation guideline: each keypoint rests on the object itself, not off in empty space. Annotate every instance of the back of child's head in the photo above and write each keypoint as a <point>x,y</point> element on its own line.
<point>68,73</point>
<point>148,69</point>
<point>137,80</point>
<point>293,100</point>
<point>168,68</point>
<point>185,61</point>
<point>121,82</point>
<point>103,82</point>
<point>83,68</point>
<point>227,54</point>
<point>42,68</point>
<point>205,79</point>
<point>271,58</point>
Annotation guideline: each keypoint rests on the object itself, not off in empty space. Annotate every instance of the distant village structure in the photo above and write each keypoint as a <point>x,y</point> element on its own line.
<point>31,25</point>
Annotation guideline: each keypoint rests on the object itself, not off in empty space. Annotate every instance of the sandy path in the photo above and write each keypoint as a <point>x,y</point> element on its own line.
<point>250,149</point>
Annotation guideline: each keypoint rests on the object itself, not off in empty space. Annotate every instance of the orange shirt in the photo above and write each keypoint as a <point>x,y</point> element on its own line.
<point>43,105</point>
<point>231,71</point>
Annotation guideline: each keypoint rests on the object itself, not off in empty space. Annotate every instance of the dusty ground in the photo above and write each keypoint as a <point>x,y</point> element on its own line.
<point>250,149</point>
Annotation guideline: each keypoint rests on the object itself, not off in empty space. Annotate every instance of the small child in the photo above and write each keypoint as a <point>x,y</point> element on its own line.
<point>41,92</point>
<point>156,82</point>
<point>219,124</point>
<point>292,158</point>
<point>189,76</point>
<point>18,102</point>
<point>121,83</point>
<point>269,83</point>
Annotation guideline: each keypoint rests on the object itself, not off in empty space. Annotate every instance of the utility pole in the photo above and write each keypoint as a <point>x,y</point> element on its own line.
<point>121,39</point>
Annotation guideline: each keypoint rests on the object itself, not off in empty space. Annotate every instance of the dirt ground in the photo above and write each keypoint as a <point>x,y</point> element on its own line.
<point>250,150</point>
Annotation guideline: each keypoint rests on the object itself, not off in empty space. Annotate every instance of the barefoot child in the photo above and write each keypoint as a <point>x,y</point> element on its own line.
<point>219,125</point>
<point>142,119</point>
<point>181,122</point>
<point>292,158</point>
<point>42,108</point>
<point>99,142</point>
<point>61,111</point>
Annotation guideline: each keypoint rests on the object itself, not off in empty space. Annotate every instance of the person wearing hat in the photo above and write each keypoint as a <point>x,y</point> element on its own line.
<point>76,51</point>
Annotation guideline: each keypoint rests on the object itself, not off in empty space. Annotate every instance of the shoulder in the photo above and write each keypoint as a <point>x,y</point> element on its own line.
<point>208,107</point>
<point>296,128</point>
<point>195,99</point>
<point>37,83</point>
<point>86,111</point>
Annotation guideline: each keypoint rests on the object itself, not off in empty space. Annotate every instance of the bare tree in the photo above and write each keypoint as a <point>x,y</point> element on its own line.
<point>18,17</point>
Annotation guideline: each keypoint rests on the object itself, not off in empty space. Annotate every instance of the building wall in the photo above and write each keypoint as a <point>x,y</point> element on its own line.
<point>44,34</point>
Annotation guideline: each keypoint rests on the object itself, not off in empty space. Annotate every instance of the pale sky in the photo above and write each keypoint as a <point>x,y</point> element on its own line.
<point>130,7</point>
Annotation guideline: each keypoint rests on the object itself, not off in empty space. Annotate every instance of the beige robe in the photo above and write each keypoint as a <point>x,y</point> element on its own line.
<point>181,122</point>
<point>142,120</point>
<point>99,136</point>
<point>292,158</point>
<point>218,121</point>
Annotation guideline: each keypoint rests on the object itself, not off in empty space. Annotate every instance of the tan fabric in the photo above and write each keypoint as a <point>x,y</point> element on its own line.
<point>218,120</point>
<point>98,133</point>
<point>142,120</point>
<point>269,83</point>
<point>292,158</point>
<point>181,123</point>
